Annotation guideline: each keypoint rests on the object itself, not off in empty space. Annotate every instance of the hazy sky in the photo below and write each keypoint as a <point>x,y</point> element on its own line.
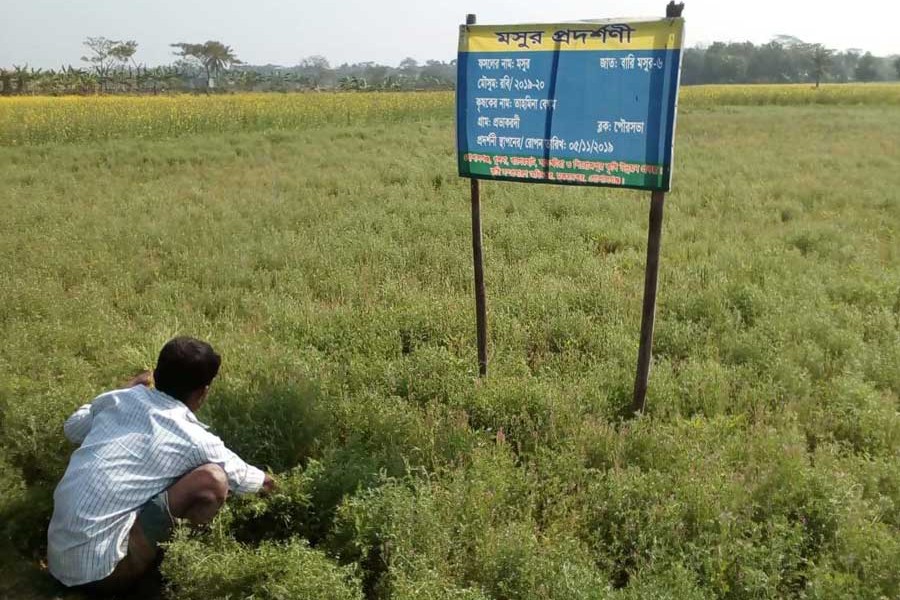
<point>46,33</point>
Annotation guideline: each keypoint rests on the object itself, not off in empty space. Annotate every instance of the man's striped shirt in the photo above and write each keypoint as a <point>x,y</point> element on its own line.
<point>134,443</point>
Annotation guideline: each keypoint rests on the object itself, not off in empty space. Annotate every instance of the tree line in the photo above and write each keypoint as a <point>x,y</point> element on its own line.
<point>110,67</point>
<point>785,59</point>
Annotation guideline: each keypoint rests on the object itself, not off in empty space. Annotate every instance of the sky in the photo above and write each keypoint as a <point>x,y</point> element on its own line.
<point>49,33</point>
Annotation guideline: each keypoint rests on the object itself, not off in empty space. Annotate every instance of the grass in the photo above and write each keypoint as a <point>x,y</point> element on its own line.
<point>331,266</point>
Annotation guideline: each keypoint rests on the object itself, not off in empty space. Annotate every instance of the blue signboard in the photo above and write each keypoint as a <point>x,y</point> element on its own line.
<point>589,103</point>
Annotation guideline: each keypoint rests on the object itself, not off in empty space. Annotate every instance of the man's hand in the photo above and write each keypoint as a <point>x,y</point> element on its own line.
<point>145,378</point>
<point>268,486</point>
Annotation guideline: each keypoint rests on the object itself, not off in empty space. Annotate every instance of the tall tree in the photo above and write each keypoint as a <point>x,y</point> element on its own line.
<point>867,68</point>
<point>408,71</point>
<point>721,65</point>
<point>213,55</point>
<point>845,62</point>
<point>771,62</point>
<point>6,82</point>
<point>100,58</point>
<point>315,68</point>
<point>897,66</point>
<point>692,65</point>
<point>409,65</point>
<point>220,57</point>
<point>124,52</point>
<point>375,74</point>
<point>438,74</point>
<point>23,76</point>
<point>820,60</point>
<point>787,41</point>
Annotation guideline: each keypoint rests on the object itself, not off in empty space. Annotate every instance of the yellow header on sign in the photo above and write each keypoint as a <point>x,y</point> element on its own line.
<point>662,34</point>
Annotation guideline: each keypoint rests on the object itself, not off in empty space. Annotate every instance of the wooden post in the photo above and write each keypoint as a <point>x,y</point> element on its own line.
<point>477,256</point>
<point>651,278</point>
<point>648,316</point>
<point>480,301</point>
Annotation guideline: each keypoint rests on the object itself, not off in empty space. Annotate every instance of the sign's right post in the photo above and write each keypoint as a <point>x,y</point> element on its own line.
<point>651,277</point>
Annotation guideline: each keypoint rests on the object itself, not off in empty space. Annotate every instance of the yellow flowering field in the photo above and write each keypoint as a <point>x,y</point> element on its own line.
<point>36,120</point>
<point>31,120</point>
<point>791,94</point>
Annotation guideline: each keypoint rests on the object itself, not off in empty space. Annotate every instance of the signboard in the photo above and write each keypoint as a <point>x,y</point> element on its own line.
<point>585,103</point>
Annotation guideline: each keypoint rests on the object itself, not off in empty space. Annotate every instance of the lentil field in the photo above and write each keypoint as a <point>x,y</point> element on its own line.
<point>321,242</point>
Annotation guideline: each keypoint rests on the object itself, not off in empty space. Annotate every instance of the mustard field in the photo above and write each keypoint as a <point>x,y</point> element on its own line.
<point>35,120</point>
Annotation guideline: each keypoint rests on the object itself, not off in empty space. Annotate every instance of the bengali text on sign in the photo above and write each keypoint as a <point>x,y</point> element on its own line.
<point>589,103</point>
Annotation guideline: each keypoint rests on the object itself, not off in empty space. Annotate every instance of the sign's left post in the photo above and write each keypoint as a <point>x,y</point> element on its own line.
<point>478,259</point>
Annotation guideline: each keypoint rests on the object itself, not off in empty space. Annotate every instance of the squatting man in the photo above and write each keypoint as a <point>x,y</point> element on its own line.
<point>144,460</point>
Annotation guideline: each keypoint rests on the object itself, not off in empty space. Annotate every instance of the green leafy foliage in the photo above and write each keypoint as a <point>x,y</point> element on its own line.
<point>273,571</point>
<point>331,267</point>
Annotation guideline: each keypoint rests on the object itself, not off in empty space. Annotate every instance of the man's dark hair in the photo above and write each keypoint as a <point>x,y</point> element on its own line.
<point>185,365</point>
